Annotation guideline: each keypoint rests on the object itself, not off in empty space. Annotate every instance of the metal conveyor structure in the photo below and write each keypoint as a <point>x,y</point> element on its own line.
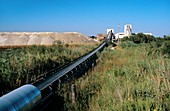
<point>29,96</point>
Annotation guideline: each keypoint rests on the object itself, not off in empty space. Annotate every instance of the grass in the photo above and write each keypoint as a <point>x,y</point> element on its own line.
<point>125,79</point>
<point>21,65</point>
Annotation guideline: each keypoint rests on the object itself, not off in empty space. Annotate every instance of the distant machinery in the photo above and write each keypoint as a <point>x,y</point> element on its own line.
<point>108,30</point>
<point>127,30</point>
<point>100,37</point>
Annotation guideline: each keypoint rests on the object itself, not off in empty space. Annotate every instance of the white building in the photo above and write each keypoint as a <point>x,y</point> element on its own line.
<point>148,34</point>
<point>127,32</point>
<point>119,35</point>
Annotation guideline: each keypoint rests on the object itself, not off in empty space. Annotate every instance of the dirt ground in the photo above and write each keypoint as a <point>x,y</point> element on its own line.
<point>42,38</point>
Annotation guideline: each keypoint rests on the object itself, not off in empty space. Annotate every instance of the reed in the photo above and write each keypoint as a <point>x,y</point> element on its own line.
<point>125,79</point>
<point>21,65</point>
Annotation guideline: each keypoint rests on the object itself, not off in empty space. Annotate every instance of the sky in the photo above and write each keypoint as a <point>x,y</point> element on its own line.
<point>88,17</point>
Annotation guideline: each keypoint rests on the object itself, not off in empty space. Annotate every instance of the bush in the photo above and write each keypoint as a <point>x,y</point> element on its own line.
<point>127,44</point>
<point>139,38</point>
<point>161,45</point>
<point>166,47</point>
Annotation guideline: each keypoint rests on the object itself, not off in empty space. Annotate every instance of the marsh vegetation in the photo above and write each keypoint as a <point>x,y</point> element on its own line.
<point>133,77</point>
<point>21,65</point>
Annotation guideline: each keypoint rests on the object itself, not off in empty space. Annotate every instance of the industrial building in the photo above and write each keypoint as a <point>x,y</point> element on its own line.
<point>127,32</point>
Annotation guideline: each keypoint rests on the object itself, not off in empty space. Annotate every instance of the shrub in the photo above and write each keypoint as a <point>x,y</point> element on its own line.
<point>166,47</point>
<point>161,45</point>
<point>139,38</point>
<point>127,44</point>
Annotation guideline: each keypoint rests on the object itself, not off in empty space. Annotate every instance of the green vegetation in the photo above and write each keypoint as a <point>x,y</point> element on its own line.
<point>133,78</point>
<point>162,45</point>
<point>22,65</point>
<point>139,38</point>
<point>157,44</point>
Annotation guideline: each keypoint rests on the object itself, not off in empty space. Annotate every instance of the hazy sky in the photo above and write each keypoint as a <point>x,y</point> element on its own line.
<point>85,16</point>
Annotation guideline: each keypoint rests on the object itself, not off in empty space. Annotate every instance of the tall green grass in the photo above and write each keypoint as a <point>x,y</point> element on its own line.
<point>23,65</point>
<point>128,79</point>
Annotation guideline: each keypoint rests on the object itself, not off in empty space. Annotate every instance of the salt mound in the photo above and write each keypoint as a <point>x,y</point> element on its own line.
<point>42,38</point>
